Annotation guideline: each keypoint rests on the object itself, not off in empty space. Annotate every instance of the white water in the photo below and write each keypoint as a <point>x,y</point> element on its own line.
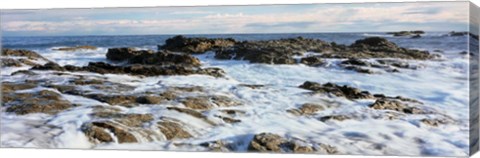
<point>441,85</point>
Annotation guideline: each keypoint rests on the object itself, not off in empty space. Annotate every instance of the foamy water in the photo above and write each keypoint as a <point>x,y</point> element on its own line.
<point>441,85</point>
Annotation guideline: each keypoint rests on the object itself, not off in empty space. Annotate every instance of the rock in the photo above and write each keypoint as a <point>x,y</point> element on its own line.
<point>173,130</point>
<point>193,113</point>
<point>389,104</point>
<point>218,145</point>
<point>11,86</point>
<point>122,100</point>
<point>198,103</point>
<point>359,69</point>
<point>434,122</point>
<point>24,72</point>
<point>334,117</point>
<point>228,119</point>
<point>123,127</point>
<point>312,61</point>
<point>453,33</point>
<point>416,36</point>
<point>83,81</point>
<point>121,54</point>
<point>49,66</point>
<point>76,48</point>
<point>356,62</point>
<point>339,91</point>
<point>165,58</point>
<point>150,99</point>
<point>23,53</point>
<point>252,86</point>
<point>8,62</point>
<point>195,45</point>
<point>407,33</point>
<point>135,69</point>
<point>97,132</point>
<point>44,101</point>
<point>306,109</point>
<point>268,142</point>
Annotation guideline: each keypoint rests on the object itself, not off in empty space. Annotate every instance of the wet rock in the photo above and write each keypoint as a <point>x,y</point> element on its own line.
<point>307,109</point>
<point>44,101</point>
<point>122,100</point>
<point>150,99</point>
<point>272,51</point>
<point>434,122</point>
<point>191,113</point>
<point>173,130</point>
<point>23,53</point>
<point>86,47</point>
<point>99,132</point>
<point>354,61</point>
<point>228,119</point>
<point>8,62</point>
<point>378,47</point>
<point>24,72</point>
<point>339,91</point>
<point>124,127</point>
<point>83,81</point>
<point>312,61</point>
<point>416,36</point>
<point>135,69</point>
<point>359,69</point>
<point>252,86</point>
<point>406,33</point>
<point>268,142</point>
<point>453,33</point>
<point>49,66</point>
<point>389,104</point>
<point>334,117</point>
<point>165,58</point>
<point>121,54</point>
<point>199,103</point>
<point>195,45</point>
<point>11,86</point>
<point>218,145</point>
<point>233,112</point>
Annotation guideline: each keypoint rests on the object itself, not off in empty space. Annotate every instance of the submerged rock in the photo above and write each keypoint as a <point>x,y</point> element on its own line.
<point>312,61</point>
<point>195,45</point>
<point>306,109</point>
<point>339,91</point>
<point>43,101</point>
<point>86,47</point>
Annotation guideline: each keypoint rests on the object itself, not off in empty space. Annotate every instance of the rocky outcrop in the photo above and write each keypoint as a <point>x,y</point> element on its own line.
<point>395,105</point>
<point>195,45</point>
<point>306,109</point>
<point>269,142</point>
<point>122,54</point>
<point>312,61</point>
<point>407,33</point>
<point>76,48</point>
<point>43,101</point>
<point>173,130</point>
<point>31,55</point>
<point>339,91</point>
<point>135,69</point>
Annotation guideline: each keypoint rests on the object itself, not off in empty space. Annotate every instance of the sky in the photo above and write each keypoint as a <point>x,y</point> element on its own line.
<point>300,18</point>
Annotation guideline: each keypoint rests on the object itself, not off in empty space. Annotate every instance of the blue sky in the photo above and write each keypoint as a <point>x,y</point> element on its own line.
<point>366,17</point>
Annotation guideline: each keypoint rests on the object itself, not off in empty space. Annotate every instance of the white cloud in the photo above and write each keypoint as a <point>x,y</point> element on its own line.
<point>322,19</point>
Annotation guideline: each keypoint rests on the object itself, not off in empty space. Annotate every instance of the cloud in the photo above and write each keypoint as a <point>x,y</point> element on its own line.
<point>234,19</point>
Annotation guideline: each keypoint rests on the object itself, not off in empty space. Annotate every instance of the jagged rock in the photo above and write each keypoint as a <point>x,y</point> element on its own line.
<point>173,130</point>
<point>44,101</point>
<point>339,91</point>
<point>312,61</point>
<point>165,58</point>
<point>334,117</point>
<point>8,62</point>
<point>354,61</point>
<point>150,99</point>
<point>268,142</point>
<point>192,113</point>
<point>135,69</point>
<point>195,45</point>
<point>207,102</point>
<point>76,48</point>
<point>49,66</point>
<point>122,100</point>
<point>306,109</point>
<point>389,104</point>
<point>121,54</point>
<point>434,122</point>
<point>23,53</point>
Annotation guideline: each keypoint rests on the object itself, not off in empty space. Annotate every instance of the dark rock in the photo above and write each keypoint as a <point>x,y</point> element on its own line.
<point>312,61</point>
<point>359,69</point>
<point>195,45</point>
<point>76,48</point>
<point>8,62</point>
<point>416,36</point>
<point>252,86</point>
<point>121,54</point>
<point>165,58</point>
<point>339,91</point>
<point>390,104</point>
<point>49,66</point>
<point>44,101</point>
<point>334,117</point>
<point>306,109</point>
<point>173,130</point>
<point>268,142</point>
<point>23,53</point>
<point>150,99</point>
<point>453,33</point>
<point>355,61</point>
